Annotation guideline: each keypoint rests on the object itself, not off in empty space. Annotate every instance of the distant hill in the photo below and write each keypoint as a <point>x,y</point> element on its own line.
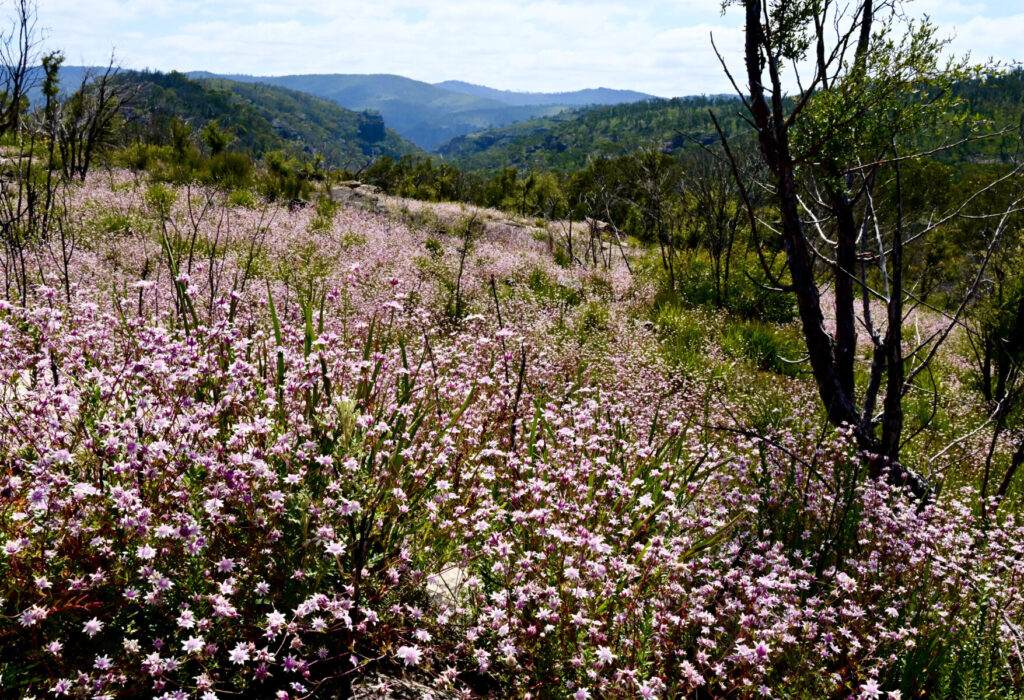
<point>263,118</point>
<point>70,80</point>
<point>425,114</point>
<point>568,140</point>
<point>577,98</point>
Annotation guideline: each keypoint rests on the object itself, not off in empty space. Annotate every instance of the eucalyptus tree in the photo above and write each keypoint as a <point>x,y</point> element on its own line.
<point>714,217</point>
<point>90,117</point>
<point>19,44</point>
<point>842,95</point>
<point>19,52</point>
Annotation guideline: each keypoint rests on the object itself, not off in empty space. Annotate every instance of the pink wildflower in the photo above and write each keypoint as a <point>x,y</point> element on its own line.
<point>240,654</point>
<point>605,655</point>
<point>411,655</point>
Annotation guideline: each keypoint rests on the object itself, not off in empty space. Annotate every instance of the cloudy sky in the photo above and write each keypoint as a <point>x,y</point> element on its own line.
<point>657,47</point>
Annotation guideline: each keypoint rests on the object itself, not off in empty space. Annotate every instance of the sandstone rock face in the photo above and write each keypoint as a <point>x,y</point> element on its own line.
<point>355,194</point>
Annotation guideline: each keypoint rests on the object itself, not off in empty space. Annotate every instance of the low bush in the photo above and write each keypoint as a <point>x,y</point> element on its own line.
<point>778,349</point>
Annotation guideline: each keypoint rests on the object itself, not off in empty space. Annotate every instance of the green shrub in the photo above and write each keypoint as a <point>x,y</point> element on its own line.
<point>117,224</point>
<point>769,348</point>
<point>283,179</point>
<point>230,170</point>
<point>744,294</point>
<point>138,156</point>
<point>434,247</point>
<point>767,404</point>
<point>242,198</point>
<point>160,200</point>
<point>324,215</point>
<point>546,287</point>
<point>685,335</point>
<point>594,320</point>
<point>351,239</point>
<point>561,257</point>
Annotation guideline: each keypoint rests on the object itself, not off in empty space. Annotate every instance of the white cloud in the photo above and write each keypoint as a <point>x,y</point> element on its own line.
<point>656,46</point>
<point>989,37</point>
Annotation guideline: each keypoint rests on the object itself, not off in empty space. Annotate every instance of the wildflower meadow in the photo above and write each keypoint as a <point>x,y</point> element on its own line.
<point>254,451</point>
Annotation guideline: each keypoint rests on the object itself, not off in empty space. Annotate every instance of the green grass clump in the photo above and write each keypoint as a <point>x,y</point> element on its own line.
<point>685,335</point>
<point>768,347</point>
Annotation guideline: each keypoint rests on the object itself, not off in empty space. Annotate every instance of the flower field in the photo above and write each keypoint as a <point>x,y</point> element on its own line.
<point>258,452</point>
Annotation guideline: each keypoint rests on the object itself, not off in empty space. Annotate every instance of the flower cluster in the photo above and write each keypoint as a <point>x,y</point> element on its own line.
<point>272,462</point>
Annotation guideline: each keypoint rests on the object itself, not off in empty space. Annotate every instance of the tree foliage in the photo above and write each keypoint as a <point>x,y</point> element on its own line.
<point>877,82</point>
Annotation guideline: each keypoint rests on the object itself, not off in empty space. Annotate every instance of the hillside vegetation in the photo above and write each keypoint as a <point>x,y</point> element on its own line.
<point>259,432</point>
<point>261,118</point>
<point>571,140</point>
<point>431,115</point>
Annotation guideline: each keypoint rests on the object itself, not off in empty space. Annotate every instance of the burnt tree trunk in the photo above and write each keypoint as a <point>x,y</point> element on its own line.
<point>831,359</point>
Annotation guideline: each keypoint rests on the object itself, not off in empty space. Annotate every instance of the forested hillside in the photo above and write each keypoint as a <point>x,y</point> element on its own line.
<point>259,119</point>
<point>425,114</point>
<point>569,141</point>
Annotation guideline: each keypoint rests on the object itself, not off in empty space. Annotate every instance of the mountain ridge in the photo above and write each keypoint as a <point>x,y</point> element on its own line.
<point>575,98</point>
<point>429,115</point>
<point>262,118</point>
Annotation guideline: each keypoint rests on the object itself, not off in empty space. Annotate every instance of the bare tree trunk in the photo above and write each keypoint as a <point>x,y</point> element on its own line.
<point>832,360</point>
